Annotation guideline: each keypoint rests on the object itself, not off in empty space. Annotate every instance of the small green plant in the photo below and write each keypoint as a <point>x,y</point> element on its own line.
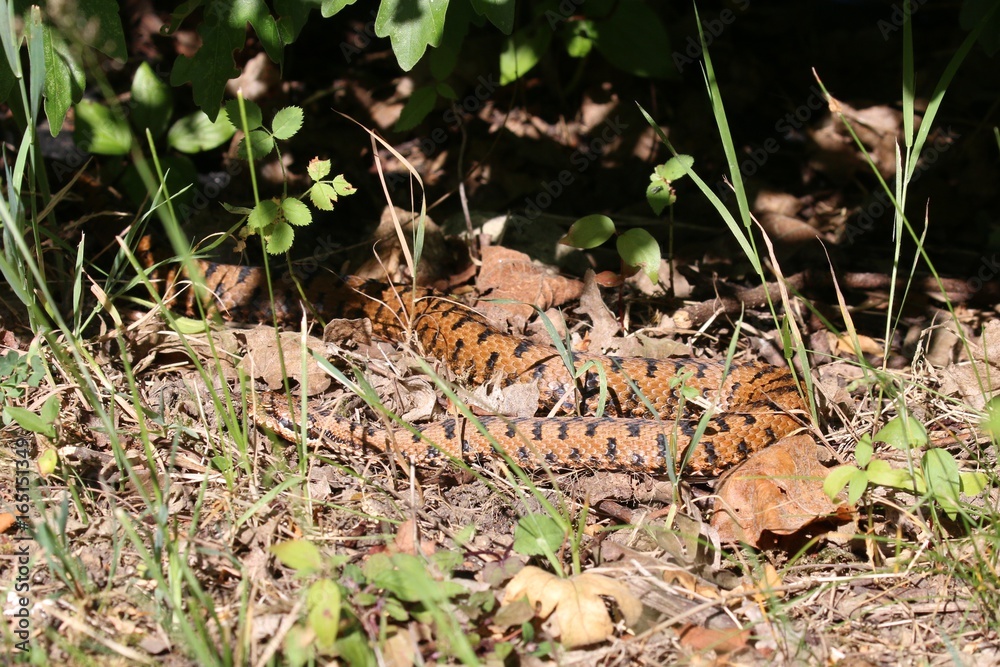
<point>273,219</point>
<point>17,372</point>
<point>344,603</point>
<point>935,476</point>
<point>636,247</point>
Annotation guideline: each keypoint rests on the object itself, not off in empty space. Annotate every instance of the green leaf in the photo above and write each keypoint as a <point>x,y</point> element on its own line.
<point>420,104</point>
<point>537,535</point>
<point>101,131</point>
<point>296,212</point>
<point>342,187</point>
<point>297,647</point>
<point>318,169</point>
<point>300,555</point>
<point>280,239</point>
<point>659,194</point>
<point>50,409</point>
<point>992,422</point>
<point>103,27</point>
<point>29,421</point>
<point>410,581</point>
<point>522,51</point>
<point>261,143</point>
<point>255,117</point>
<point>579,38</point>
<point>499,12</point>
<point>974,483</point>
<point>293,16</point>
<point>675,168</point>
<point>411,26</point>
<point>323,602</point>
<point>64,79</point>
<point>197,132</point>
<point>589,232</point>
<point>222,36</point>
<point>837,479</point>
<point>322,196</point>
<point>152,102</point>
<point>265,213</point>
<point>943,482</point>
<point>237,210</point>
<point>444,57</point>
<point>856,486</point>
<point>864,450</point>
<point>903,432</point>
<point>286,123</point>
<point>331,7</point>
<point>633,39</point>
<point>638,248</point>
<point>47,462</point>
<point>446,91</point>
<point>881,473</point>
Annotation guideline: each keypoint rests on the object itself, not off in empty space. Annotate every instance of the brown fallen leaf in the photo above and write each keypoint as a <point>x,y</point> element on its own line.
<point>975,382</point>
<point>575,607</point>
<point>779,489</point>
<point>263,359</point>
<point>6,521</point>
<point>696,639</point>
<point>509,274</point>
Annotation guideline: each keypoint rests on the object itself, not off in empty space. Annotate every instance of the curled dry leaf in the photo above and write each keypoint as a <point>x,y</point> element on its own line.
<point>779,489</point>
<point>509,274</point>
<point>264,355</point>
<point>575,607</point>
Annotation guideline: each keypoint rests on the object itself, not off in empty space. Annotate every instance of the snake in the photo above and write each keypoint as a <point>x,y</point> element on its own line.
<point>693,416</point>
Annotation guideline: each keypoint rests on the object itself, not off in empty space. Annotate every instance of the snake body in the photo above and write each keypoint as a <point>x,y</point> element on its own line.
<point>753,404</point>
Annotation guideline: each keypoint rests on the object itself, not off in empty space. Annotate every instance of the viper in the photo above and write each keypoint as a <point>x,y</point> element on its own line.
<point>696,416</point>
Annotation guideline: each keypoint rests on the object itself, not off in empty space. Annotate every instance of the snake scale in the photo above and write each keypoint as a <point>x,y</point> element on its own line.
<point>754,404</point>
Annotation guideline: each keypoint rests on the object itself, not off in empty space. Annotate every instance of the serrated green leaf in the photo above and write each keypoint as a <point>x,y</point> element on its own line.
<point>300,555</point>
<point>280,239</point>
<point>411,26</point>
<point>342,187</point>
<point>323,601</point>
<point>837,479</point>
<point>265,213</point>
<point>296,212</point>
<point>197,132</point>
<point>864,450</point>
<point>903,432</point>
<point>261,143</point>
<point>420,104</point>
<point>30,421</point>
<point>286,123</point>
<point>152,102</point>
<point>255,117</point>
<point>633,39</point>
<point>322,196</point>
<point>589,232</point>
<point>522,51</point>
<point>64,79</point>
<point>675,168</point>
<point>101,131</point>
<point>537,535</point>
<point>638,248</point>
<point>318,169</point>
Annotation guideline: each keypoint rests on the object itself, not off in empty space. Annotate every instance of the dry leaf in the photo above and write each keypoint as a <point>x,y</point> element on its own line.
<point>509,274</point>
<point>263,359</point>
<point>697,639</point>
<point>977,381</point>
<point>6,521</point>
<point>575,607</point>
<point>779,489</point>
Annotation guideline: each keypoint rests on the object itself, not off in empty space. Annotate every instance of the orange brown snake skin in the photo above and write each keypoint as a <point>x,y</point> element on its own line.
<point>754,402</point>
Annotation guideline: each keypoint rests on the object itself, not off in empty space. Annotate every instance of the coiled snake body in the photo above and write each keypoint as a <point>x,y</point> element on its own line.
<point>754,404</point>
